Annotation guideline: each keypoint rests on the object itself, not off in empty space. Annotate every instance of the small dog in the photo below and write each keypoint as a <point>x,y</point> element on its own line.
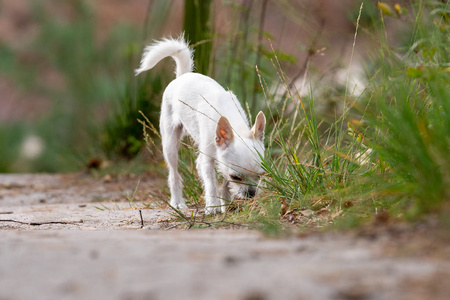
<point>196,105</point>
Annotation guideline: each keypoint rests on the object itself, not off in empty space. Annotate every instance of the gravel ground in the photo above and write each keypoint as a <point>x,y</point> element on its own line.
<point>93,253</point>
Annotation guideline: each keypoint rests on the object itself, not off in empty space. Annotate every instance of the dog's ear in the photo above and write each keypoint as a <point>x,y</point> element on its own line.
<point>224,133</point>
<point>259,127</point>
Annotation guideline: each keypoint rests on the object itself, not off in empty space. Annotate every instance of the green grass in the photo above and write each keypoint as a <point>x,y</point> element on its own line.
<point>393,155</point>
<point>123,135</point>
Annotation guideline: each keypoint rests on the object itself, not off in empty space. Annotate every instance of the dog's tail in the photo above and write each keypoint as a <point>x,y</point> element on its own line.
<point>178,49</point>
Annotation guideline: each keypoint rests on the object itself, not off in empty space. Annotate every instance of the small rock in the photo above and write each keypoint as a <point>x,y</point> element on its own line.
<point>307,212</point>
<point>107,178</point>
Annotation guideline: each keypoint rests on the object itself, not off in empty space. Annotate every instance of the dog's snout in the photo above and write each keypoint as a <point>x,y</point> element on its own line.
<point>250,193</point>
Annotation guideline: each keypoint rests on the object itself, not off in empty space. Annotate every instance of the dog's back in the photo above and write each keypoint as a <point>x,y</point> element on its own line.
<point>195,94</point>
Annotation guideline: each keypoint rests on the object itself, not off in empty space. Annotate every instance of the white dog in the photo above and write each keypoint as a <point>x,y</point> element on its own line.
<point>197,105</point>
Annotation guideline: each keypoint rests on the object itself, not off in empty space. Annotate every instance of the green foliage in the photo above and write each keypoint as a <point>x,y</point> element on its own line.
<point>123,135</point>
<point>95,100</point>
<point>245,47</point>
<point>410,117</point>
<point>413,140</point>
<point>10,146</point>
<point>193,189</point>
<point>87,66</point>
<point>393,154</point>
<point>198,30</point>
<point>370,16</point>
<point>88,74</point>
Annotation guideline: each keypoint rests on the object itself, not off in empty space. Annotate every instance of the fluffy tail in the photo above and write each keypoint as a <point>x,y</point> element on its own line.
<point>178,49</point>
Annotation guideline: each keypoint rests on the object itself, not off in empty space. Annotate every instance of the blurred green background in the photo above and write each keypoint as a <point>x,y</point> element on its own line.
<point>69,97</point>
<point>68,94</point>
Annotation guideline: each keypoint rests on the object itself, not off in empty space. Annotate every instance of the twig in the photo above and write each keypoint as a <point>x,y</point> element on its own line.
<point>176,225</point>
<point>351,55</point>
<point>42,223</point>
<point>142,220</point>
<point>311,52</point>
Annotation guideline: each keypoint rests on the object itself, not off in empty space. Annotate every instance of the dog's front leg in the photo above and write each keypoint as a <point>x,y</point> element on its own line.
<point>225,198</point>
<point>207,172</point>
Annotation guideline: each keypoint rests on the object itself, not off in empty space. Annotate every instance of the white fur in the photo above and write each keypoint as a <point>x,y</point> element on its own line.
<point>192,105</point>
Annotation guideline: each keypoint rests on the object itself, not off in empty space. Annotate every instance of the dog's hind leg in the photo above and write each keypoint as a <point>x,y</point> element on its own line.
<point>171,136</point>
<point>207,172</point>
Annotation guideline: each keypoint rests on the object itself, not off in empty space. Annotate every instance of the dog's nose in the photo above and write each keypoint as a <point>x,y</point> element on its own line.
<point>250,193</point>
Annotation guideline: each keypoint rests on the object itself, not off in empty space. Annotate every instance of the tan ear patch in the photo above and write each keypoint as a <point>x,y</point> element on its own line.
<point>224,133</point>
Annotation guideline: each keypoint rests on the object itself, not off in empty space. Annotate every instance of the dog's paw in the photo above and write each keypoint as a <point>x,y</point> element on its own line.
<point>178,205</point>
<point>212,210</point>
<point>182,206</point>
<point>223,208</point>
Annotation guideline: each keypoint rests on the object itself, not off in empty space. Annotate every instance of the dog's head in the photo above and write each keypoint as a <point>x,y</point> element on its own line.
<point>240,157</point>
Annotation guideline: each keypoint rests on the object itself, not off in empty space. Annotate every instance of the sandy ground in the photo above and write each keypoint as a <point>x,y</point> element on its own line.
<point>98,250</point>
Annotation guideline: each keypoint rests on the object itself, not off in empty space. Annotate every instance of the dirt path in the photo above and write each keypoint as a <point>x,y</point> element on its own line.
<point>102,253</point>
